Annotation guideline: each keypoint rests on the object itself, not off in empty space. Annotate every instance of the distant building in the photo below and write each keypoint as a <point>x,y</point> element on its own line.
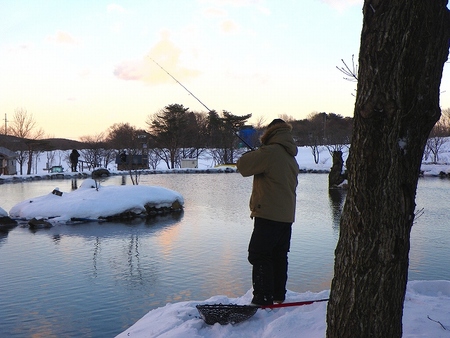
<point>131,162</point>
<point>189,163</point>
<point>8,161</point>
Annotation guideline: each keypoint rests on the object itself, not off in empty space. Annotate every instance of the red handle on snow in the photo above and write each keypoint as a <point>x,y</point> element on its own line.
<point>306,302</point>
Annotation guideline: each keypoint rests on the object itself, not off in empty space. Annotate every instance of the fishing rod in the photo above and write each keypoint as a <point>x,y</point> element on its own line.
<point>235,132</point>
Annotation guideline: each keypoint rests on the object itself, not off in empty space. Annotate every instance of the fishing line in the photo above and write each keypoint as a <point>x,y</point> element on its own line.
<point>180,83</point>
<point>204,105</point>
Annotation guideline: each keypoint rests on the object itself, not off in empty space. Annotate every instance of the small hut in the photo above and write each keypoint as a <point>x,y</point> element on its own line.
<point>189,163</point>
<point>8,161</point>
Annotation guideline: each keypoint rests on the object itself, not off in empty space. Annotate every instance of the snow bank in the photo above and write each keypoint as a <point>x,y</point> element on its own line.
<point>92,201</point>
<point>426,314</point>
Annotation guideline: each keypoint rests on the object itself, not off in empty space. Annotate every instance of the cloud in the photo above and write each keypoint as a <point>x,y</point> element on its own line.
<point>19,48</point>
<point>214,13</point>
<point>166,54</point>
<point>63,38</point>
<point>229,26</point>
<point>117,13</point>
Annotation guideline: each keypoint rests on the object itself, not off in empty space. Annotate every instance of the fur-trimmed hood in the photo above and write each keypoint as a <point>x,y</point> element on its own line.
<point>280,133</point>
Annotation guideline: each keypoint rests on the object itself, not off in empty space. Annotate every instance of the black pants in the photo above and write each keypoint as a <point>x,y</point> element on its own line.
<point>267,252</point>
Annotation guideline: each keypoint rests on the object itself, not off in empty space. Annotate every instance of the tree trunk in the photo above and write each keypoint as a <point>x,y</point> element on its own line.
<point>404,45</point>
<point>30,161</point>
<point>336,176</point>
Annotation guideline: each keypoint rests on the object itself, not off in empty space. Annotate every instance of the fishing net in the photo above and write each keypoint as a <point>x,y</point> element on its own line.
<point>233,313</point>
<point>225,313</point>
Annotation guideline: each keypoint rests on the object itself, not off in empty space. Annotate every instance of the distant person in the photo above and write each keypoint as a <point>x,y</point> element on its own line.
<point>123,157</point>
<point>272,204</point>
<point>74,159</point>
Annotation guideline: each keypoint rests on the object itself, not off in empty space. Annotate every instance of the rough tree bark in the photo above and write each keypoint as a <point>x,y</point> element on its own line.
<point>404,45</point>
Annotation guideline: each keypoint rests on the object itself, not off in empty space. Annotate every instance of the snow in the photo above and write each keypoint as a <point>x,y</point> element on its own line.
<point>426,314</point>
<point>3,212</point>
<point>92,201</point>
<point>426,307</point>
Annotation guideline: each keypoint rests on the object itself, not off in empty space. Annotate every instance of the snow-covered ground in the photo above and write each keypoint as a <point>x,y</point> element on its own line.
<point>426,314</point>
<point>426,308</point>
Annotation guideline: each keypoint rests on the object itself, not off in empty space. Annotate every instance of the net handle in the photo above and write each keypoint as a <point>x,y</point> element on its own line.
<point>306,302</point>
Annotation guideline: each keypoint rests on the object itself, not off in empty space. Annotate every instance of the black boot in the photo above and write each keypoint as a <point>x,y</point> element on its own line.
<point>262,284</point>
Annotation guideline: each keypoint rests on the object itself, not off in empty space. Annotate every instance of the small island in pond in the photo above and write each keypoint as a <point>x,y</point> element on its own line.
<point>91,201</point>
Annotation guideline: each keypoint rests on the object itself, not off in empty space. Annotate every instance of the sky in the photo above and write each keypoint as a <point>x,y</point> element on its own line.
<point>78,67</point>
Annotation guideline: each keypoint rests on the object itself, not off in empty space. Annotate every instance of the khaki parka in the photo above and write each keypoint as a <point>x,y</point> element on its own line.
<point>275,172</point>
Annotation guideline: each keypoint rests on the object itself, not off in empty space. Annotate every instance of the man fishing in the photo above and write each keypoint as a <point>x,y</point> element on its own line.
<point>272,204</point>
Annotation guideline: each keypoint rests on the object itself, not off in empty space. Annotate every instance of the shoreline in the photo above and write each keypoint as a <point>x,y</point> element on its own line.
<point>5,179</point>
<point>427,170</point>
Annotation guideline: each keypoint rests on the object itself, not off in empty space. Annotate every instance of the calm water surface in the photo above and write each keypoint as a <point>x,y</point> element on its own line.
<point>97,279</point>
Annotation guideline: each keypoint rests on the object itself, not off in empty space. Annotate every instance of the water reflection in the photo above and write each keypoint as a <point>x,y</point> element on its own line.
<point>118,271</point>
<point>336,199</point>
<point>3,236</point>
<point>96,253</point>
<point>135,268</point>
<point>74,184</point>
<point>6,226</point>
<point>87,230</point>
<point>121,243</point>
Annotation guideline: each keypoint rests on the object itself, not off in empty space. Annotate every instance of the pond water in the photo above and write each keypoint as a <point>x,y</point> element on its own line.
<point>97,279</point>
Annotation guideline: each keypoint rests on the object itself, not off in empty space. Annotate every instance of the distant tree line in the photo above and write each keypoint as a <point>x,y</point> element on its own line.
<point>175,132</point>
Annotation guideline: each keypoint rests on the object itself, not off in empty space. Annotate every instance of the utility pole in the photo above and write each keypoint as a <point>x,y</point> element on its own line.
<point>6,125</point>
<point>324,127</point>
